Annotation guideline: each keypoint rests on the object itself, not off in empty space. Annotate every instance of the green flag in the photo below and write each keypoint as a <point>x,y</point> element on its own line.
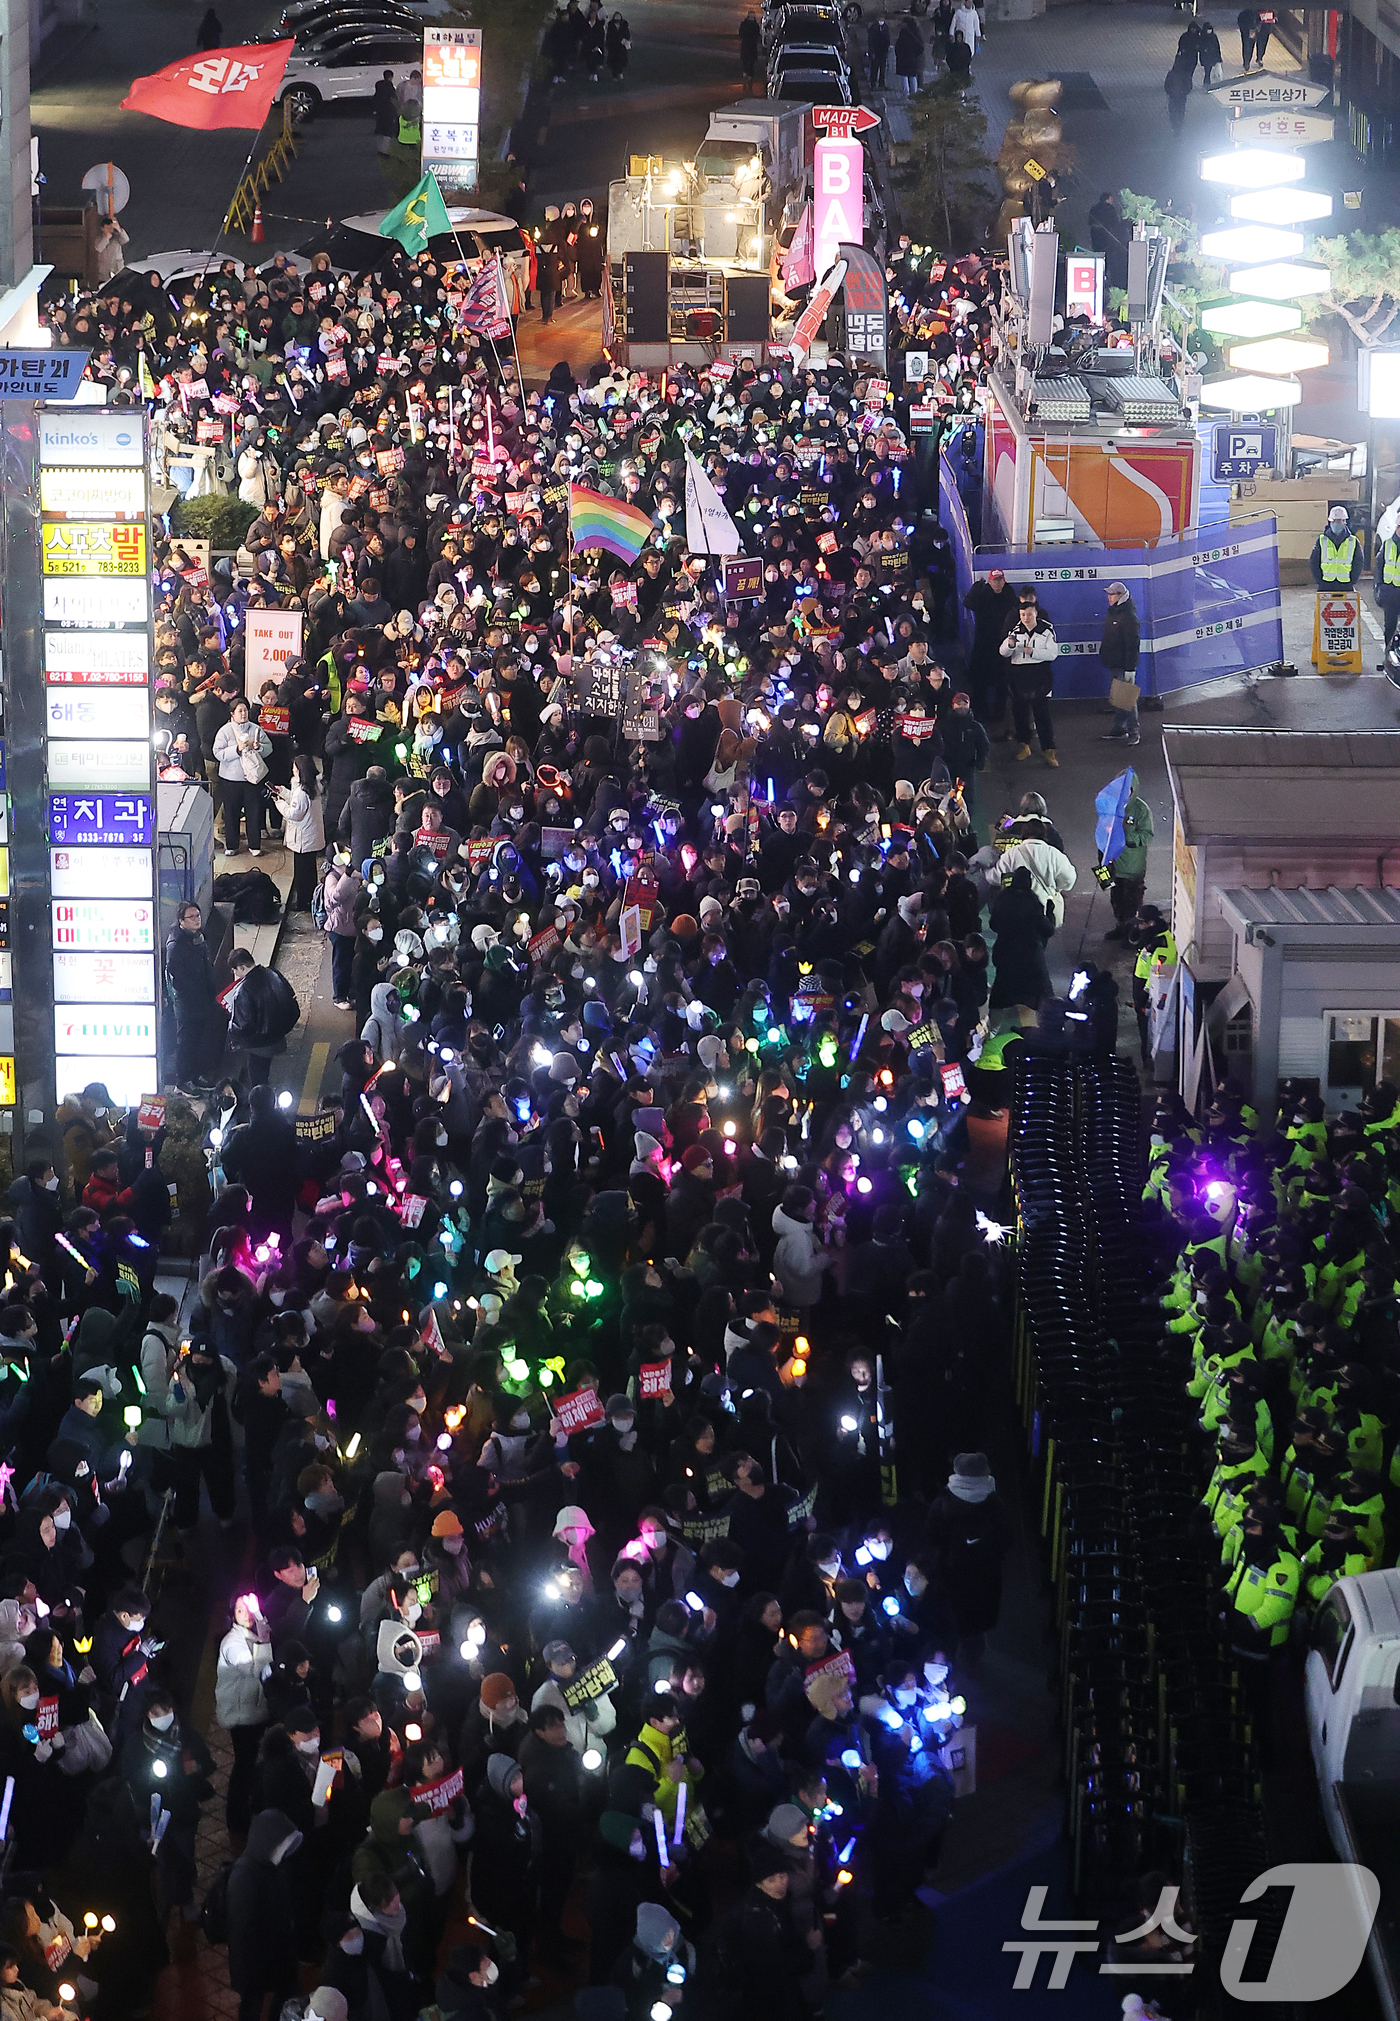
<point>420,216</point>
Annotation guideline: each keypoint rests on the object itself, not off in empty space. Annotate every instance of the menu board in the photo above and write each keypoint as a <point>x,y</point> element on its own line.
<point>99,791</point>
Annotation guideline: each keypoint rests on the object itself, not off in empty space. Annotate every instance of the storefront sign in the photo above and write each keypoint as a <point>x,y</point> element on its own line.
<point>117,602</point>
<point>96,659</point>
<point>125,1076</point>
<point>41,375</point>
<point>106,978</point>
<point>101,873</point>
<point>451,106</point>
<point>93,547</point>
<point>82,819</point>
<point>103,925</point>
<point>92,494</point>
<point>112,765</point>
<point>96,1028</point>
<point>98,712</point>
<point>91,439</point>
<point>271,639</point>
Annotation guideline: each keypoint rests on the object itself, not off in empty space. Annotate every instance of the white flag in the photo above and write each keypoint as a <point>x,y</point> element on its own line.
<point>708,527</point>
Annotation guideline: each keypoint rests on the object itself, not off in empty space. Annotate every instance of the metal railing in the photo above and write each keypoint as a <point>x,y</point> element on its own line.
<point>263,174</point>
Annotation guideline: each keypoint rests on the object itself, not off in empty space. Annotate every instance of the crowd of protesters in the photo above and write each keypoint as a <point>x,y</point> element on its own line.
<point>604,1367</point>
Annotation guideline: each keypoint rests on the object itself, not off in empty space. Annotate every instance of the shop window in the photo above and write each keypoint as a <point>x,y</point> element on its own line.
<point>1351,1051</point>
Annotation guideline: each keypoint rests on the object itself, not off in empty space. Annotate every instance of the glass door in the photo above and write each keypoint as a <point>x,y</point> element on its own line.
<point>1351,1057</point>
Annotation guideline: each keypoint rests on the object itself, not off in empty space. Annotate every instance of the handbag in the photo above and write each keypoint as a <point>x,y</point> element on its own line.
<point>254,765</point>
<point>1124,694</point>
<point>1217,73</point>
<point>85,1747</point>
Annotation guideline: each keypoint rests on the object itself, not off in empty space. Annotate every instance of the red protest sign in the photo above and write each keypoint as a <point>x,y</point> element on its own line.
<point>439,1795</point>
<point>433,840</point>
<point>151,1114</point>
<point>839,1665</point>
<point>412,1209</point>
<point>361,731</point>
<point>954,1086</point>
<point>641,892</point>
<point>579,1411</point>
<point>275,720</point>
<point>430,1642</point>
<point>480,851</point>
<point>542,944</point>
<point>46,1718</point>
<point>209,431</point>
<point>387,461</point>
<point>431,1335</point>
<point>653,1378</point>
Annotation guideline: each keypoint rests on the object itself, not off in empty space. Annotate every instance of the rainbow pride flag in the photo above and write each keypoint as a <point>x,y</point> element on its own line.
<point>600,521</point>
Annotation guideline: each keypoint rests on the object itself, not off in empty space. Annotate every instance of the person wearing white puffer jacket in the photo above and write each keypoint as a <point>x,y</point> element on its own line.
<point>799,1258</point>
<point>245,1658</point>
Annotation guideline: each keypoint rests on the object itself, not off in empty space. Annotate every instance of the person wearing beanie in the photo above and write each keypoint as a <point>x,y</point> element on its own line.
<point>507,1853</point>
<point>691,1204</point>
<point>766,1958</point>
<point>496,1724</point>
<point>657,1947</point>
<point>970,1530</point>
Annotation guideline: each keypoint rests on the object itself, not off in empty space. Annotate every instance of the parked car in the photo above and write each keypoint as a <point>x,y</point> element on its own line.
<point>817,62</point>
<point>802,23</point>
<point>812,87</point>
<point>347,65</point>
<point>304,16</point>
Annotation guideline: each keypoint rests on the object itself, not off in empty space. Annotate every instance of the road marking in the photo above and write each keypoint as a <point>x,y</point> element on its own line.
<point>315,1068</point>
<point>1372,627</point>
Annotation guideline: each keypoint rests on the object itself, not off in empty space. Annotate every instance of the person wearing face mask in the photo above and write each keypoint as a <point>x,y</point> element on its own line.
<point>508,1852</point>
<point>262,1946</point>
<point>240,1704</point>
<point>467,1985</point>
<point>914,1797</point>
<point>35,1201</point>
<point>167,1758</point>
<point>495,1725</point>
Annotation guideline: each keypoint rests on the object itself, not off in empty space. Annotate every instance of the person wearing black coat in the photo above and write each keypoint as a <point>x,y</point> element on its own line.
<point>1022,933</point>
<point>199,1017</point>
<point>507,1853</point>
<point>369,814</point>
<point>554,1787</point>
<point>759,1956</point>
<point>262,1949</point>
<point>969,1528</point>
<point>264,1010</point>
<point>263,1157</point>
<point>346,761</point>
<point>37,1208</point>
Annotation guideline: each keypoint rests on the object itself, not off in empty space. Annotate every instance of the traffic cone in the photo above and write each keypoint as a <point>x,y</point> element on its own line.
<point>257,234</point>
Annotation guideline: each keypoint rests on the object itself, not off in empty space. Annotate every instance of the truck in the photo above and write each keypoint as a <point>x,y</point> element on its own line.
<point>772,128</point>
<point>1352,1690</point>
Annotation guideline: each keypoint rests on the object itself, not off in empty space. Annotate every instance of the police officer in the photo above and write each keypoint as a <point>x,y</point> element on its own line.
<point>1336,558</point>
<point>1337,1554</point>
<point>1261,1592</point>
<point>1387,580</point>
<point>1152,938</point>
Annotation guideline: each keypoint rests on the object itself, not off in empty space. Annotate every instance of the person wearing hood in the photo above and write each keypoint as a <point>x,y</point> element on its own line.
<point>657,1951</point>
<point>799,1260</point>
<point>507,1853</point>
<point>1023,931</point>
<point>262,1947</point>
<point>969,1529</point>
<point>384,1029</point>
<point>389,1853</point>
<point>467,1985</point>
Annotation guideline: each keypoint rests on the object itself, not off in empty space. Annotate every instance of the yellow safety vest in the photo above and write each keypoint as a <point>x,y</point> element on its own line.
<point>1391,563</point>
<point>1162,954</point>
<point>1335,562</point>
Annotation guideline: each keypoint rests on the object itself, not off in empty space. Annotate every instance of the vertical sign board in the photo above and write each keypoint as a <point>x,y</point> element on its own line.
<point>452,108</point>
<point>99,789</point>
<point>1084,286</point>
<point>838,205</point>
<point>271,641</point>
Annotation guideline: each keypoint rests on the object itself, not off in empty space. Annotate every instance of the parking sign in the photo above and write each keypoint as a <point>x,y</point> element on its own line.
<point>1242,450</point>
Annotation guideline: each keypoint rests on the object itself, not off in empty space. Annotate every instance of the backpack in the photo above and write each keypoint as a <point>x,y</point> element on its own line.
<point>213,1917</point>
<point>318,905</point>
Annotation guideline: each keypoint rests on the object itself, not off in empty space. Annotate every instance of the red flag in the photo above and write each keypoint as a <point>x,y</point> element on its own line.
<point>225,87</point>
